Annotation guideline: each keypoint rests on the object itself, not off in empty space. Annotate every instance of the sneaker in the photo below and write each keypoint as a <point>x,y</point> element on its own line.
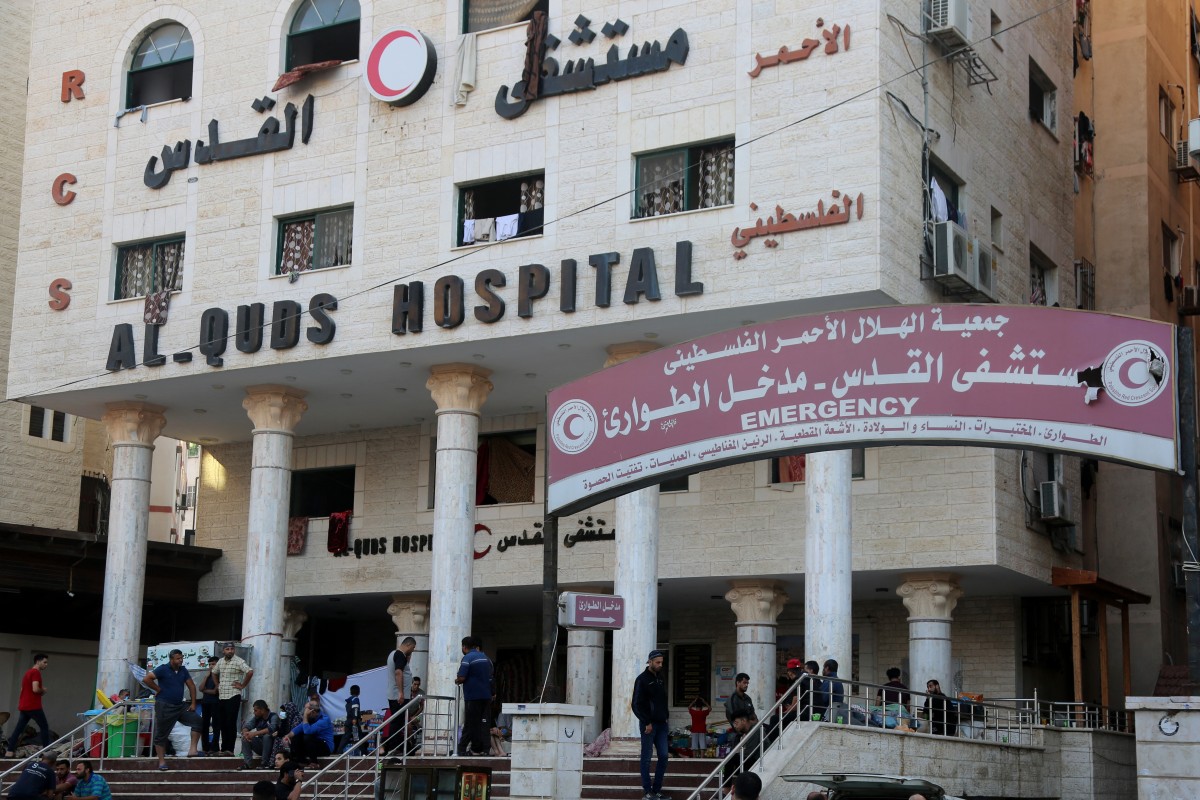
<point>649,796</point>
<point>661,796</point>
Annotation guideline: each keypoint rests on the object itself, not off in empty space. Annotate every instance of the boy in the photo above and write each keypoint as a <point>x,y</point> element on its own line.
<point>353,729</point>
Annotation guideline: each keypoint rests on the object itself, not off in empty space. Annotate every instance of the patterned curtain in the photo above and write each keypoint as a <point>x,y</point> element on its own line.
<point>1037,286</point>
<point>168,267</point>
<point>660,183</point>
<point>134,265</point>
<point>468,204</point>
<point>533,195</point>
<point>297,246</point>
<point>716,176</point>
<point>791,469</point>
<point>485,14</point>
<point>335,235</point>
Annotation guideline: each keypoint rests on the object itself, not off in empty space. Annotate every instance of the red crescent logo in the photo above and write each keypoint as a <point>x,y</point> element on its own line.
<point>481,553</point>
<point>376,80</point>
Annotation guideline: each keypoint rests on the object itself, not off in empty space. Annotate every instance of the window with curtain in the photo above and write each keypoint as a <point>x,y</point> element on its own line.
<point>149,267</point>
<point>315,241</point>
<point>482,15</point>
<point>323,30</point>
<point>791,469</point>
<point>161,68</point>
<point>506,208</point>
<point>684,179</point>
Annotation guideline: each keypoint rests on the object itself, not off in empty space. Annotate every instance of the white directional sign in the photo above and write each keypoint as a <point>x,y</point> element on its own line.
<point>599,611</point>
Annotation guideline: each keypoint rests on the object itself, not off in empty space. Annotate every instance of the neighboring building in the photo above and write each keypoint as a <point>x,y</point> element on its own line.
<point>216,241</point>
<point>1135,253</point>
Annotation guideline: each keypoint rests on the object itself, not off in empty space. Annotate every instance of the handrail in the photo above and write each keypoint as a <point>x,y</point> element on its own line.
<point>424,707</point>
<point>69,737</point>
<point>1012,721</point>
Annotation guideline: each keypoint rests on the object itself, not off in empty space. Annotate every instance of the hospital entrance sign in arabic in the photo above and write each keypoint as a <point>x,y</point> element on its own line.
<point>1031,377</point>
<point>577,610</point>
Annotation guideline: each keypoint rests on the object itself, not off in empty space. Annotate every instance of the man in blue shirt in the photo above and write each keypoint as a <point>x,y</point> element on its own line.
<point>35,780</point>
<point>169,680</point>
<point>311,739</point>
<point>475,676</point>
<point>90,786</point>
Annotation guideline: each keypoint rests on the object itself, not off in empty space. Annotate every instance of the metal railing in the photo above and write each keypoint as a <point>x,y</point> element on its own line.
<point>1007,722</point>
<point>127,727</point>
<point>425,726</point>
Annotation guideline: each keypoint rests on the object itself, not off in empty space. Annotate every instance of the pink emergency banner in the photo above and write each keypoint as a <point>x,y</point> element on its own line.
<point>1091,384</point>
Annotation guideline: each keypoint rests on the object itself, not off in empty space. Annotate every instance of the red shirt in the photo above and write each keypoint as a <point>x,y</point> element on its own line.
<point>699,718</point>
<point>28,701</point>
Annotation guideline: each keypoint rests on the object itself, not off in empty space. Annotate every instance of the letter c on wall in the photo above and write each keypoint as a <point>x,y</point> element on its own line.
<point>59,299</point>
<point>62,195</point>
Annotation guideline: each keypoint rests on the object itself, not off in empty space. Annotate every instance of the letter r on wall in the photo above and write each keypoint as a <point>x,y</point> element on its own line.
<point>72,85</point>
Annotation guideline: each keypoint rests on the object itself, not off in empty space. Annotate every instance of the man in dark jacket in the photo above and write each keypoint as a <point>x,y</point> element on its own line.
<point>650,707</point>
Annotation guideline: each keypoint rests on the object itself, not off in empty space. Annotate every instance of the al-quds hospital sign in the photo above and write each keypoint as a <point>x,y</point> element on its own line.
<point>1097,385</point>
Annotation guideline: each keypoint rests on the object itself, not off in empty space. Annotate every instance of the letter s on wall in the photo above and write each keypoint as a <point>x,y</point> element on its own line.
<point>59,299</point>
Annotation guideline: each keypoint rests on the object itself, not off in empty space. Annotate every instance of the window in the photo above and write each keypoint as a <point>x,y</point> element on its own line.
<point>193,450</point>
<point>47,424</point>
<point>1085,285</point>
<point>315,241</point>
<point>149,267</point>
<point>1043,97</point>
<point>482,15</point>
<point>161,68</point>
<point>1170,251</point>
<point>686,179</point>
<point>323,30</point>
<point>1043,279</point>
<point>943,195</point>
<point>189,498</point>
<point>502,209</point>
<point>996,29</point>
<point>321,492</point>
<point>791,469</point>
<point>679,484</point>
<point>997,230</point>
<point>505,466</point>
<point>1166,116</point>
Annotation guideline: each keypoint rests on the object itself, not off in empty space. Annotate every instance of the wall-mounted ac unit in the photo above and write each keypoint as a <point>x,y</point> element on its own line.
<point>952,265</point>
<point>1189,301</point>
<point>1183,166</point>
<point>948,22</point>
<point>1055,503</point>
<point>983,271</point>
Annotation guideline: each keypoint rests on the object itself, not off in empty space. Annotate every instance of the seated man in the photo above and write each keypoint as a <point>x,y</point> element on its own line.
<point>36,780</point>
<point>751,745</point>
<point>90,786</point>
<point>263,790</point>
<point>64,779</point>
<point>258,735</point>
<point>291,781</point>
<point>312,739</point>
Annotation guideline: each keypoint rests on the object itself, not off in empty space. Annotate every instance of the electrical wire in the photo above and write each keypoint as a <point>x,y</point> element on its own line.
<point>947,56</point>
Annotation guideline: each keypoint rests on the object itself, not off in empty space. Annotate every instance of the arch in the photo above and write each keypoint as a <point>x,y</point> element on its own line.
<point>123,58</point>
<point>312,31</point>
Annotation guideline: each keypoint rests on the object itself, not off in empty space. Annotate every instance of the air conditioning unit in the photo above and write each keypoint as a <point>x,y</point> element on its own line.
<point>1184,167</point>
<point>1055,503</point>
<point>1189,301</point>
<point>952,265</point>
<point>948,22</point>
<point>983,271</point>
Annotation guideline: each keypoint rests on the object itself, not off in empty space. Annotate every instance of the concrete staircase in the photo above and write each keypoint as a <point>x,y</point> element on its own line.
<point>214,778</point>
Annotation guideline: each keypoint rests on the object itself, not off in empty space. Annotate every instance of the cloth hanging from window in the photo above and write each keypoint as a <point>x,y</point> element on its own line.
<point>339,532</point>
<point>485,14</point>
<point>716,176</point>
<point>939,206</point>
<point>297,533</point>
<point>465,67</point>
<point>485,229</point>
<point>506,227</point>
<point>297,248</point>
<point>155,312</point>
<point>468,231</point>
<point>530,222</point>
<point>296,74</point>
<point>791,469</point>
<point>535,55</point>
<point>510,472</point>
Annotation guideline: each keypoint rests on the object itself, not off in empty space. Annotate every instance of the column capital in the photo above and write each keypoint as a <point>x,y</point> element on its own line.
<point>294,618</point>
<point>756,602</point>
<point>931,595</point>
<point>274,408</point>
<point>620,353</point>
<point>459,387</point>
<point>133,423</point>
<point>409,613</point>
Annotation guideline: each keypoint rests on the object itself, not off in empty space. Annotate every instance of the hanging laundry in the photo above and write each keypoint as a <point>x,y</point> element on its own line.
<point>155,312</point>
<point>468,231</point>
<point>485,230</point>
<point>339,532</point>
<point>530,222</point>
<point>297,534</point>
<point>506,227</point>
<point>938,205</point>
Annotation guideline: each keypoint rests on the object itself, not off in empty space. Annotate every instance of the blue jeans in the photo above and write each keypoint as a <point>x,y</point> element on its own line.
<point>658,739</point>
<point>23,719</point>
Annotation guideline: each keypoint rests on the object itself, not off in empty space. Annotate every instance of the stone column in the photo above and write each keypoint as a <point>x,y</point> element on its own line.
<point>132,429</point>
<point>459,390</point>
<point>757,605</point>
<point>828,558</point>
<point>585,672</point>
<point>294,618</point>
<point>636,580</point>
<point>930,599</point>
<point>275,411</point>
<point>410,614</point>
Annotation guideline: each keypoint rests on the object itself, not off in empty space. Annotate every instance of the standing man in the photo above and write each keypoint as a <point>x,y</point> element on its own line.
<point>233,675</point>
<point>168,680</point>
<point>36,780</point>
<point>818,707</point>
<point>475,676</point>
<point>89,785</point>
<point>30,704</point>
<point>401,673</point>
<point>210,710</point>
<point>649,705</point>
<point>838,710</point>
